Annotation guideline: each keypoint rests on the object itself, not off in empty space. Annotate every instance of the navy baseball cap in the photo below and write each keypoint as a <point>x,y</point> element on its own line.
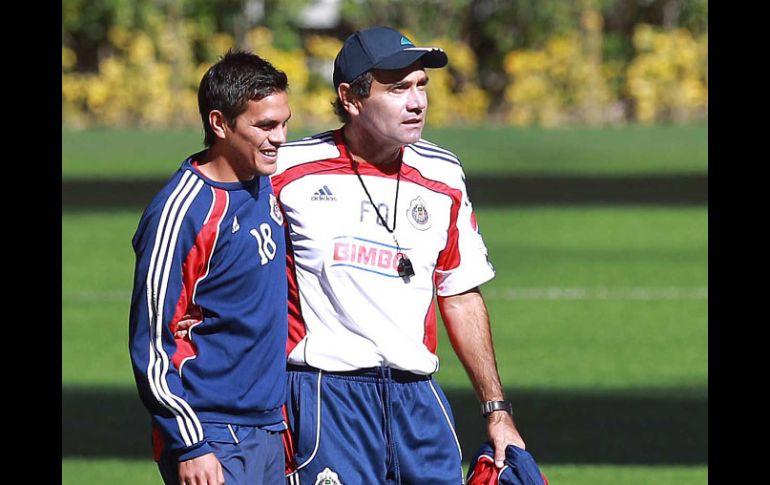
<point>381,48</point>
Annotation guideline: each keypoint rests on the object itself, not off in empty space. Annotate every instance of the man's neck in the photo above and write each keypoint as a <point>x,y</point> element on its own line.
<point>216,166</point>
<point>362,146</point>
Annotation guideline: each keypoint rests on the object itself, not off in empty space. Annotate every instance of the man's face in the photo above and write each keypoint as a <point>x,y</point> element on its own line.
<point>397,104</point>
<point>255,135</point>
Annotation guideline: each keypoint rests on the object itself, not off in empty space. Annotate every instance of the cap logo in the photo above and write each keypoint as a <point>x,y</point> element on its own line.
<point>405,41</point>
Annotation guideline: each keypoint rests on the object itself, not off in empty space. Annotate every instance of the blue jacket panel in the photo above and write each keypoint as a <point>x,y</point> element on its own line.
<point>215,251</point>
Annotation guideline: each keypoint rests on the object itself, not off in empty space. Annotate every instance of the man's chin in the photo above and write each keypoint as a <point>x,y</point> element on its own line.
<point>265,169</point>
<point>270,170</point>
<point>412,136</point>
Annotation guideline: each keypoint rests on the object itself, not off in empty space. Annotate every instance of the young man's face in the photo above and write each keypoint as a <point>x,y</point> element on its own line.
<point>397,104</point>
<point>255,135</point>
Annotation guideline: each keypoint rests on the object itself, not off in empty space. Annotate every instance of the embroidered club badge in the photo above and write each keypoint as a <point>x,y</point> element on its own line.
<point>418,215</point>
<point>275,210</point>
<point>327,477</point>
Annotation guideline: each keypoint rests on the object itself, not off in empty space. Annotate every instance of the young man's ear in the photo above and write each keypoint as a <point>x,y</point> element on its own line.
<point>349,102</point>
<point>218,123</point>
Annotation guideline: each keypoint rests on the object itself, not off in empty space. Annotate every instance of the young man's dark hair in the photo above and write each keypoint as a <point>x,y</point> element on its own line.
<point>228,86</point>
<point>210,248</point>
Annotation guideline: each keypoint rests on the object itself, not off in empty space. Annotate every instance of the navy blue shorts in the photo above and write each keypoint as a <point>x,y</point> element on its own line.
<point>248,454</point>
<point>378,426</point>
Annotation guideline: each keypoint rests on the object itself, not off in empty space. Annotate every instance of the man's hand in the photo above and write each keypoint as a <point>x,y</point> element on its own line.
<point>184,324</point>
<point>201,470</point>
<point>502,432</point>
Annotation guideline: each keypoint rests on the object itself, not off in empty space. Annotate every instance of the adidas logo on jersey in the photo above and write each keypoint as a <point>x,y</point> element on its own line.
<point>324,193</point>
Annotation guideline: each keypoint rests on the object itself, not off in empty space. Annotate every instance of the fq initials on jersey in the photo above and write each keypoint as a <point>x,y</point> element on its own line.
<point>369,212</point>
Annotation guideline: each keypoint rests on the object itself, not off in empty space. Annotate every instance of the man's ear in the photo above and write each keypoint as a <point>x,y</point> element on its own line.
<point>349,102</point>
<point>219,124</point>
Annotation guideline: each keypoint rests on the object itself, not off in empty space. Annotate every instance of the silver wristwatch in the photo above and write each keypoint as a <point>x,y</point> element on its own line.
<point>491,406</point>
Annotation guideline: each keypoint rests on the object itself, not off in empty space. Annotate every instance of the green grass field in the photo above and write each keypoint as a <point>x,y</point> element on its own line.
<point>118,472</point>
<point>585,300</point>
<point>630,150</point>
<point>624,342</point>
<point>589,303</point>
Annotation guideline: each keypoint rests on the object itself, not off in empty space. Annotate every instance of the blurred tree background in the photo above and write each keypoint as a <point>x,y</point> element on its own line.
<point>518,62</point>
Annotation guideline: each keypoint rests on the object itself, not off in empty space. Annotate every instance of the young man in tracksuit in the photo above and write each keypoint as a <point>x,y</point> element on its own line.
<point>211,244</point>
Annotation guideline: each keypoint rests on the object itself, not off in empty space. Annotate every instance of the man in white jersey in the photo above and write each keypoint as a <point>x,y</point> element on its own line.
<point>380,229</point>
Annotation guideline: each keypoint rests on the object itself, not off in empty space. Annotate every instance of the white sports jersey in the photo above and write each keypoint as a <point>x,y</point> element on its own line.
<point>349,309</point>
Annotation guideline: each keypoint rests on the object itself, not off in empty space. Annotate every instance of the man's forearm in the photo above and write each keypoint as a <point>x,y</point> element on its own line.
<point>467,323</point>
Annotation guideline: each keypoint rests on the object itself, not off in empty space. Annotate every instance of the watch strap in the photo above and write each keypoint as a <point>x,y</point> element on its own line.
<point>491,406</point>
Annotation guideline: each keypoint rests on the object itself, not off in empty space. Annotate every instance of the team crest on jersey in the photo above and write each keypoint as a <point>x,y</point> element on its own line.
<point>275,210</point>
<point>418,215</point>
<point>327,477</point>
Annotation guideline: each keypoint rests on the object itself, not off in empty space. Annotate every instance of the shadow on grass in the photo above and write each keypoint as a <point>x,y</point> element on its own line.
<point>485,190</point>
<point>559,427</point>
<point>598,428</point>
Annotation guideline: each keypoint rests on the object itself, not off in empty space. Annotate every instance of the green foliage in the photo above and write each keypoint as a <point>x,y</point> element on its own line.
<point>429,18</point>
<point>553,85</point>
<point>281,17</point>
<point>668,79</point>
<point>138,63</point>
<point>695,16</point>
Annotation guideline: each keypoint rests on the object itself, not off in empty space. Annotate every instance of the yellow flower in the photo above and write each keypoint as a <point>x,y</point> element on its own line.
<point>322,47</point>
<point>643,37</point>
<point>141,49</point>
<point>258,39</point>
<point>119,37</point>
<point>68,58</point>
<point>217,45</point>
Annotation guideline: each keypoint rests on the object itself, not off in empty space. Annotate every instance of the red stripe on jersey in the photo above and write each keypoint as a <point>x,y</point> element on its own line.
<point>289,453</point>
<point>338,165</point>
<point>194,268</point>
<point>331,165</point>
<point>158,443</point>
<point>449,257</point>
<point>297,329</point>
<point>430,327</point>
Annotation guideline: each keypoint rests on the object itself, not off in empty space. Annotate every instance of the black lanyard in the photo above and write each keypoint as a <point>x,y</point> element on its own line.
<point>404,268</point>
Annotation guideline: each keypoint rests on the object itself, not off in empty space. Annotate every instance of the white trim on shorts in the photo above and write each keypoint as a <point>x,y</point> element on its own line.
<point>293,474</point>
<point>449,423</point>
